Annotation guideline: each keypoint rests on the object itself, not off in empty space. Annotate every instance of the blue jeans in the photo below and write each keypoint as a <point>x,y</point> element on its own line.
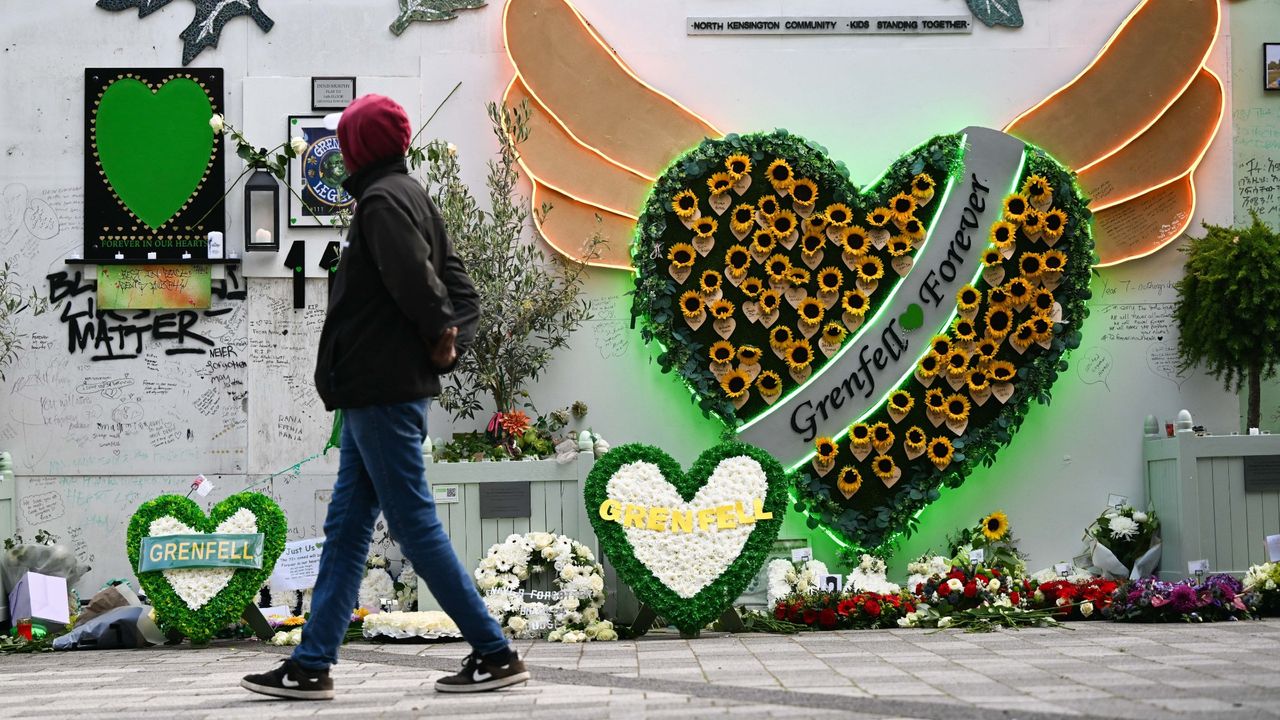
<point>380,466</point>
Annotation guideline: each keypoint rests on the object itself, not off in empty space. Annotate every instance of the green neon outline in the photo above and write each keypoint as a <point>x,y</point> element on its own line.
<point>866,326</point>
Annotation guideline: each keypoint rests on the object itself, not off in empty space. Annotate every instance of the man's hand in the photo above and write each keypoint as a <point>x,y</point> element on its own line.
<point>443,353</point>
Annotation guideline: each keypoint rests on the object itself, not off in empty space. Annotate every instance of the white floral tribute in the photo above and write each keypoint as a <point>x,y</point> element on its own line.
<point>287,637</point>
<point>401,625</point>
<point>870,576</point>
<point>407,592</point>
<point>570,613</point>
<point>924,568</point>
<point>377,586</point>
<point>688,561</point>
<point>1262,577</point>
<point>788,578</point>
<point>197,586</point>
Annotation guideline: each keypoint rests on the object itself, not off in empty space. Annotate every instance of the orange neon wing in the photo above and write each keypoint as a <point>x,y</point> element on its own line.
<point>1136,123</point>
<point>591,160</point>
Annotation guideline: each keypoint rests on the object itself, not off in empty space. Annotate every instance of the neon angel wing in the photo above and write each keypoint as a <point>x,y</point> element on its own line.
<point>1134,124</point>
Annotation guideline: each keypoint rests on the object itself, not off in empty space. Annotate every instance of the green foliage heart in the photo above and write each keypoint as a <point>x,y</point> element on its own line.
<point>228,604</point>
<point>689,613</point>
<point>154,146</point>
<point>913,318</point>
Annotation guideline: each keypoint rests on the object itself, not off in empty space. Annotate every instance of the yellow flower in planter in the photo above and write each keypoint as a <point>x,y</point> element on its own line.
<point>735,384</point>
<point>721,351</point>
<point>934,401</point>
<point>978,382</point>
<point>691,304</point>
<point>957,362</point>
<point>940,452</point>
<point>1041,328</point>
<point>685,204</point>
<point>705,227</point>
<point>881,437</point>
<point>721,309</point>
<point>681,256</point>
<point>1019,290</point>
<point>986,350</point>
<point>1032,222</point>
<point>719,183</point>
<point>737,165</point>
<point>884,467</point>
<point>914,230</point>
<point>849,481</point>
<point>780,174</point>
<point>839,214</point>
<point>995,526</point>
<point>957,408</point>
<point>799,354</point>
<point>855,302</point>
<point>870,269</point>
<point>826,450</point>
<point>1035,187</point>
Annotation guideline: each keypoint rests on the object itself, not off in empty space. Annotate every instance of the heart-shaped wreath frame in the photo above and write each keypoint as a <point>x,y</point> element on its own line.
<point>172,613</point>
<point>690,615</point>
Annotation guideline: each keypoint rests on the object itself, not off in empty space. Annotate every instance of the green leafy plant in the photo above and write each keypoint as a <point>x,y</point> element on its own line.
<point>529,304</point>
<point>13,302</point>
<point>1228,308</point>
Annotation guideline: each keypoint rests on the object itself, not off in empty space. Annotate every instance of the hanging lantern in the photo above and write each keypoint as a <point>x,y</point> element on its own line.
<point>262,212</point>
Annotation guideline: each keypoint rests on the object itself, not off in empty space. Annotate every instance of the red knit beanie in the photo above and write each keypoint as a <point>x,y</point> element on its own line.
<point>372,128</point>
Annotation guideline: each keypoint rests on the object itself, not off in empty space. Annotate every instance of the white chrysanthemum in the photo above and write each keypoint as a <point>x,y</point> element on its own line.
<point>1140,517</point>
<point>376,587</point>
<point>869,576</point>
<point>1123,528</point>
<point>401,625</point>
<point>407,595</point>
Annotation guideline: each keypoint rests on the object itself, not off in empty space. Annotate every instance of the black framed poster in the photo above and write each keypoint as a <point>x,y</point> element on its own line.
<point>315,177</point>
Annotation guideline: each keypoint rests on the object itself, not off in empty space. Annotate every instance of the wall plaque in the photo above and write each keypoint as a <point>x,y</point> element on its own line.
<point>505,500</point>
<point>832,25</point>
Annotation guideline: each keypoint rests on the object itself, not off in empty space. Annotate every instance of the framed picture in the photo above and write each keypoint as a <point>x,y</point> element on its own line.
<point>1271,66</point>
<point>315,179</point>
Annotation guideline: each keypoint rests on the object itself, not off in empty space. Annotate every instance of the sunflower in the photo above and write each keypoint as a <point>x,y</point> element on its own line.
<point>940,344</point>
<point>956,362</point>
<point>978,382</point>
<point>1025,334</point>
<point>1019,290</point>
<point>901,401</point>
<point>816,222</point>
<point>838,214</point>
<point>1035,187</point>
<point>799,354</point>
<point>968,298</point>
<point>748,354</point>
<point>768,300</point>
<point>929,364</point>
<point>879,217</point>
<point>763,242</point>
<point>849,481</point>
<point>900,246</point>
<point>826,450</point>
<point>834,333</point>
<point>782,223</point>
<point>737,165</point>
<point>860,435</point>
<point>710,281</point>
<point>903,206</point>
<point>721,351</point>
<point>780,336</point>
<point>737,257</point>
<point>964,330</point>
<point>940,452</point>
<point>769,383</point>
<point>881,435</point>
<point>957,407</point>
<point>685,204</point>
<point>811,310</point>
<point>1042,301</point>
<point>705,227</point>
<point>691,304</point>
<point>870,269</point>
<point>999,322</point>
<point>812,243</point>
<point>855,302</point>
<point>721,309</point>
<point>855,240</point>
<point>1015,206</point>
<point>1042,328</point>
<point>768,205</point>
<point>986,350</point>
<point>805,191</point>
<point>777,266</point>
<point>1032,222</point>
<point>992,258</point>
<point>1001,371</point>
<point>744,216</point>
<point>1055,222</point>
<point>735,383</point>
<point>922,184</point>
<point>780,174</point>
<point>751,287</point>
<point>830,279</point>
<point>998,297</point>
<point>914,439</point>
<point>798,276</point>
<point>1003,233</point>
<point>720,183</point>
<point>884,467</point>
<point>681,256</point>
<point>1054,260</point>
<point>934,401</point>
<point>995,526</point>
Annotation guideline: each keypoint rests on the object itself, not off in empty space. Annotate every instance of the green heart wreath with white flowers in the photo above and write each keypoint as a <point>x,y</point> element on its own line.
<point>573,613</point>
<point>688,544</point>
<point>199,601</point>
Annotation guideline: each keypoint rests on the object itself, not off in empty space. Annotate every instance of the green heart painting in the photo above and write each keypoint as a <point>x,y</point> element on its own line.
<point>880,342</point>
<point>154,145</point>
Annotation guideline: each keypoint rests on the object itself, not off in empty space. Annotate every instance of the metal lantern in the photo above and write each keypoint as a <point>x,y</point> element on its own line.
<point>262,212</point>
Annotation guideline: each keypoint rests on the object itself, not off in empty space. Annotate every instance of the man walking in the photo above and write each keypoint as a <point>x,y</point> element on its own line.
<point>401,311</point>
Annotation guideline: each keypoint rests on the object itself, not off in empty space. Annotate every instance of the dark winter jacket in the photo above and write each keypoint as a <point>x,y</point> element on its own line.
<point>399,286</point>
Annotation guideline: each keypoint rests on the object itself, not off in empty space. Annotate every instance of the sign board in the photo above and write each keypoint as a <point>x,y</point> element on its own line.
<point>332,93</point>
<point>832,25</point>
<point>446,494</point>
<point>298,565</point>
<point>1273,548</point>
<point>505,500</point>
<point>166,552</point>
<point>1261,473</point>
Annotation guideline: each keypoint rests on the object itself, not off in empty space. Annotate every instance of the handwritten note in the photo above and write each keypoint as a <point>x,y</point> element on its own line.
<point>152,287</point>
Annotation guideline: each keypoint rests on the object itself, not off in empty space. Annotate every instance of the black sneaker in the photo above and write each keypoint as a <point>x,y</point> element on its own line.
<point>291,681</point>
<point>479,675</point>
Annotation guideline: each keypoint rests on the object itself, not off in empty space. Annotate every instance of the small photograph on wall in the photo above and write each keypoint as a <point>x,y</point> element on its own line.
<point>1271,66</point>
<point>316,177</point>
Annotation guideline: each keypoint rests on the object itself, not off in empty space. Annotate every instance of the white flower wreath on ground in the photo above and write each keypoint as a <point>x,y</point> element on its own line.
<point>570,613</point>
<point>788,578</point>
<point>869,576</point>
<point>401,625</point>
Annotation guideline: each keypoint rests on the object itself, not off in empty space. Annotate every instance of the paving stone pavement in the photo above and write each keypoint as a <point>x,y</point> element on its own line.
<point>1224,670</point>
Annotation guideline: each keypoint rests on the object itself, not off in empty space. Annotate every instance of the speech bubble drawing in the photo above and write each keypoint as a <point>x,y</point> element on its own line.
<point>1162,359</point>
<point>1095,367</point>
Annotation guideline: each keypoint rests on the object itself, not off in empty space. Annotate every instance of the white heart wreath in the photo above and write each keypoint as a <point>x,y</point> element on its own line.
<point>196,586</point>
<point>572,613</point>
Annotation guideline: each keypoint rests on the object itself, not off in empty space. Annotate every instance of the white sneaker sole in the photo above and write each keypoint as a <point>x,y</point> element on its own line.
<point>287,692</point>
<point>494,684</point>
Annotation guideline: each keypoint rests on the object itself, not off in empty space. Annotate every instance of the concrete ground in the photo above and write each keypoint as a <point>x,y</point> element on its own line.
<point>1228,670</point>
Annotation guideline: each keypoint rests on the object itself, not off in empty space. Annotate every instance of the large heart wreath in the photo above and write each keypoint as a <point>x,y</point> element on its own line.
<point>198,602</point>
